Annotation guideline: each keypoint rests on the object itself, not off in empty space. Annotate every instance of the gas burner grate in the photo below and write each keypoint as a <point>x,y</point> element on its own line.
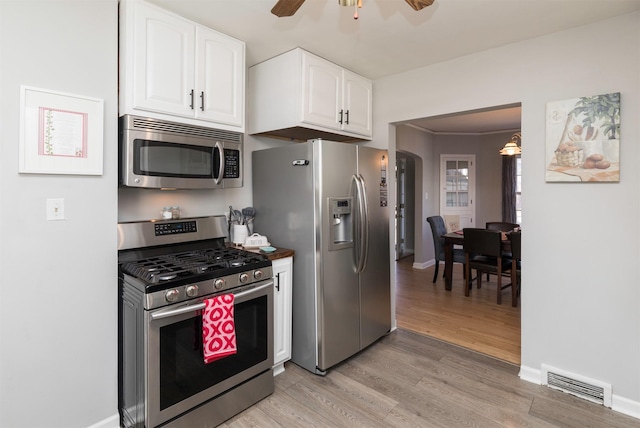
<point>167,267</point>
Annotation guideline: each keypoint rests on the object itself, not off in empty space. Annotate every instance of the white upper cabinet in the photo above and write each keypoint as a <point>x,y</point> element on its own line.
<point>171,67</point>
<point>358,102</point>
<point>299,95</point>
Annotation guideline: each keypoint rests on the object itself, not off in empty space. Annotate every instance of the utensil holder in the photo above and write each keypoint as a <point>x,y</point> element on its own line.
<point>240,233</point>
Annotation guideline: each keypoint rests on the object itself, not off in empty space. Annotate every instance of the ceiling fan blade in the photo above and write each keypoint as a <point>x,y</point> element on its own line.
<point>419,4</point>
<point>286,7</point>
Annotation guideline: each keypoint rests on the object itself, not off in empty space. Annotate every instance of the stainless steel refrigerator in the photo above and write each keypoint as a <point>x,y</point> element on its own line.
<point>328,202</point>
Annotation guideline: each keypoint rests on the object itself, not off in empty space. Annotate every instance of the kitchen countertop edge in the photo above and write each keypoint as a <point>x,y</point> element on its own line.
<point>279,253</point>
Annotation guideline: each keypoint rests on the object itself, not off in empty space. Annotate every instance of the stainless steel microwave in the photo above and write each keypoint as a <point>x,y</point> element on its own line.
<point>159,154</point>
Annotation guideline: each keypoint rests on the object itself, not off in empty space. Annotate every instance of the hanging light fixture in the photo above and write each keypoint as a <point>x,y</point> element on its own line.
<point>513,146</point>
<point>353,3</point>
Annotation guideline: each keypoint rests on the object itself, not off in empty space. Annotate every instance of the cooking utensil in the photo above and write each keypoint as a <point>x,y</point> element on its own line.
<point>238,217</point>
<point>249,214</point>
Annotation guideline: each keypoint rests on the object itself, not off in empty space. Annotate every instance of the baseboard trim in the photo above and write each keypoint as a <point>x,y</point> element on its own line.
<point>619,404</point>
<point>625,406</point>
<point>530,374</point>
<point>423,265</point>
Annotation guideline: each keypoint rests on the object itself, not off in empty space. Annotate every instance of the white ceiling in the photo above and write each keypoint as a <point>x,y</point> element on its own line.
<point>390,37</point>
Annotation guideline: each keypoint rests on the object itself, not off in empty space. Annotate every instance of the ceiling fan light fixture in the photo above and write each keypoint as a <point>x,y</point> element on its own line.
<point>512,147</point>
<point>284,8</point>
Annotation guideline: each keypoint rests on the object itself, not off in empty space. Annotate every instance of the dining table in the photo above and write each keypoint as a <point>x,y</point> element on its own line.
<point>457,238</point>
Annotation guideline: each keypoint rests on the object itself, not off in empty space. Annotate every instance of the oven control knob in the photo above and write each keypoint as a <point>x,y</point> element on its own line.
<point>172,295</point>
<point>244,277</point>
<point>218,283</point>
<point>192,290</point>
<point>257,274</point>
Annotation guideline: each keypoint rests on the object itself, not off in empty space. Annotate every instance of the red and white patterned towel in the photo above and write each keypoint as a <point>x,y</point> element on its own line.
<point>218,328</point>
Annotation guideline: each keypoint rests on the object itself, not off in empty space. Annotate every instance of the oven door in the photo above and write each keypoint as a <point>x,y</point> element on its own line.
<point>177,379</point>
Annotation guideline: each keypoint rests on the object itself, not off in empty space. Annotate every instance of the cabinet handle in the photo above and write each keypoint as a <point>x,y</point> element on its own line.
<point>341,116</point>
<point>191,95</point>
<point>202,101</point>
<point>347,121</point>
<point>278,281</point>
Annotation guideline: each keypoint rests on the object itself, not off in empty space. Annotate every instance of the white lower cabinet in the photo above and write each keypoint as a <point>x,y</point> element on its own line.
<point>283,288</point>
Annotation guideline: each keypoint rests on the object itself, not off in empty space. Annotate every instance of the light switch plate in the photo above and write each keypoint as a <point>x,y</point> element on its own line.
<point>55,209</point>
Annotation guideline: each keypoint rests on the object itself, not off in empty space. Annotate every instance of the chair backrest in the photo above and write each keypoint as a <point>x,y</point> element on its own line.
<point>437,230</point>
<point>482,241</point>
<point>515,238</point>
<point>501,226</point>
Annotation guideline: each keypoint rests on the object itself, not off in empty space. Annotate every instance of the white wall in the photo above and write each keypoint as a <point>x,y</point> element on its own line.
<point>58,288</point>
<point>580,296</point>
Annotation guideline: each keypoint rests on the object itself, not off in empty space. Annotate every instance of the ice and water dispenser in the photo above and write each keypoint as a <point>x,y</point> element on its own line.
<point>341,223</point>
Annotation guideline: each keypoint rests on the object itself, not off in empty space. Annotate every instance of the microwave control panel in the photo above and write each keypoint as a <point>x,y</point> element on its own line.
<point>231,163</point>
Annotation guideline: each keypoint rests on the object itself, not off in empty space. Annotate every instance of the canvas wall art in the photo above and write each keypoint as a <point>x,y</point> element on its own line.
<point>583,139</point>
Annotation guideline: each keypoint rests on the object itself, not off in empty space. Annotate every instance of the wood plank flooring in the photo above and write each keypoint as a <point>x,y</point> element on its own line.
<point>410,380</point>
<point>476,322</point>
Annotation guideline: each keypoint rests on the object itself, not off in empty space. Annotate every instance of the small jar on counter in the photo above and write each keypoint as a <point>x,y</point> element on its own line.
<point>166,213</point>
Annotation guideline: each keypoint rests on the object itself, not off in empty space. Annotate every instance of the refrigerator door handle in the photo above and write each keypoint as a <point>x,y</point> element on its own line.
<point>363,224</point>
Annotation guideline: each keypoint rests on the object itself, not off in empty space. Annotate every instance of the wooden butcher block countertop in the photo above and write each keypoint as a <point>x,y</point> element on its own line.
<point>279,253</point>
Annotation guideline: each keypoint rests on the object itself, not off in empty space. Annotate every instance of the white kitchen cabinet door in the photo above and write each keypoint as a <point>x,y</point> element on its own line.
<point>322,92</point>
<point>283,288</point>
<point>175,69</point>
<point>357,104</point>
<point>163,61</point>
<point>298,95</point>
<point>220,78</point>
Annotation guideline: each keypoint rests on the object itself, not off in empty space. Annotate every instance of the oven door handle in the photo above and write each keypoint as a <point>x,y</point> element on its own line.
<point>200,306</point>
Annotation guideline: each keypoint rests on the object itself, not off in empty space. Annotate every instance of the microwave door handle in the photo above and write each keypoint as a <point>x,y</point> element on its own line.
<point>220,149</point>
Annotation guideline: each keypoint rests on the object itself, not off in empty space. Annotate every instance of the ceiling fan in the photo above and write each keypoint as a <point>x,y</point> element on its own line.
<point>290,7</point>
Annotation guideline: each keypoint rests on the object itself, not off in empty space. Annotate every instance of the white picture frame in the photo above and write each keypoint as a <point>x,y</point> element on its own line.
<point>60,133</point>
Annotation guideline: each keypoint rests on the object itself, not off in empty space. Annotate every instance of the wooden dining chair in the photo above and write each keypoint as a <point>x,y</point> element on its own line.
<point>438,229</point>
<point>501,226</point>
<point>483,252</point>
<point>515,238</point>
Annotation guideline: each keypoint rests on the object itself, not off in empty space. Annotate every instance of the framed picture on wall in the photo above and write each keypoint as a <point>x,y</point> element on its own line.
<point>583,139</point>
<point>60,133</point>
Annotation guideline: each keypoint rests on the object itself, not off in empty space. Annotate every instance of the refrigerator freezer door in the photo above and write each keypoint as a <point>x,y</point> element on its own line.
<point>338,298</point>
<point>375,290</point>
<point>284,199</point>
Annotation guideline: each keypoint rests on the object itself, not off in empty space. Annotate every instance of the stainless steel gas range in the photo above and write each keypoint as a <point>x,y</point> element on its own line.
<point>168,271</point>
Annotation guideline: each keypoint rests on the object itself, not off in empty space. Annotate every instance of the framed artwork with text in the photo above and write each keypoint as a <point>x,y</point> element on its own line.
<point>60,133</point>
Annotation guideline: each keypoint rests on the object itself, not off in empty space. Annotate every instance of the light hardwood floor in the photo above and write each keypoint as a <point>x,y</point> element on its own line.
<point>476,322</point>
<point>410,380</point>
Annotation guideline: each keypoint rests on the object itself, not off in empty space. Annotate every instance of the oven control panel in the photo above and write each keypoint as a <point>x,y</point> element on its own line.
<point>203,289</point>
<point>175,227</point>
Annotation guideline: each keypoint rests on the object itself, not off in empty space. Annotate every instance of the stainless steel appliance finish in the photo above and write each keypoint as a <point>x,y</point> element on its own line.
<point>161,154</point>
<point>327,201</point>
<point>167,268</point>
